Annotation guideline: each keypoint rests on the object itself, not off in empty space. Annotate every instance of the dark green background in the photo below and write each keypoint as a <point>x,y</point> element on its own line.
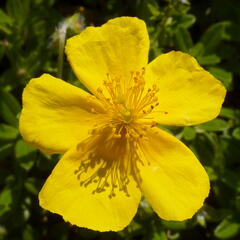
<point>208,30</point>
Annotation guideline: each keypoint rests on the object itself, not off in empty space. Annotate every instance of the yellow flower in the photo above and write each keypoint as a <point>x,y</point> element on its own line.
<point>113,149</point>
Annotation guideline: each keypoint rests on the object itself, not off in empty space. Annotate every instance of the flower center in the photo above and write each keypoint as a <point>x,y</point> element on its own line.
<point>115,142</point>
<point>127,100</point>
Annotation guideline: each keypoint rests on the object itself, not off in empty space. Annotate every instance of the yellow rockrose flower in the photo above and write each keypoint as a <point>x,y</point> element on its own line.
<point>113,150</point>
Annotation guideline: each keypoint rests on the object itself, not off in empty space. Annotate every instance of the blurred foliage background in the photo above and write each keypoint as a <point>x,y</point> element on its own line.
<point>32,34</point>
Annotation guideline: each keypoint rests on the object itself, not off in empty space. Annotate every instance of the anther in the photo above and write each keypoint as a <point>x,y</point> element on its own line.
<point>99,90</point>
<point>154,124</point>
<point>127,135</point>
<point>93,110</point>
<point>117,135</point>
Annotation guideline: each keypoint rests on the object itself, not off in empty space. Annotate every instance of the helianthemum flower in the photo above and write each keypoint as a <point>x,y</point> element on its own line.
<point>113,149</point>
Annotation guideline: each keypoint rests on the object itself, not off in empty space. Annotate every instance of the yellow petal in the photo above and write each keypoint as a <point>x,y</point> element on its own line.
<point>55,115</point>
<point>187,93</point>
<point>68,193</point>
<point>118,47</point>
<point>174,182</point>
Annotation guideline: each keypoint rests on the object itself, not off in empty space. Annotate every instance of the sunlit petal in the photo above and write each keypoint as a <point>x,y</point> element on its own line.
<point>77,189</point>
<point>173,181</point>
<point>187,93</point>
<point>56,115</point>
<point>118,47</point>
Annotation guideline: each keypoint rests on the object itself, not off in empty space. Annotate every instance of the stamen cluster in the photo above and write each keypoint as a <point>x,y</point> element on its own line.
<point>118,132</point>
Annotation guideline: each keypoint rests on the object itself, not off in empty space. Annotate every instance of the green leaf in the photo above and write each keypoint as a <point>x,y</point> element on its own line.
<point>230,113</point>
<point>25,154</point>
<point>189,133</point>
<point>32,185</point>
<point>224,76</point>
<point>7,133</point>
<point>208,60</point>
<point>4,18</point>
<point>5,29</point>
<point>186,20</point>
<point>153,8</point>
<point>5,201</point>
<point>197,50</point>
<point>227,229</point>
<point>5,22</point>
<point>18,10</point>
<point>174,225</point>
<point>183,39</point>
<point>214,125</point>
<point>211,173</point>
<point>9,108</point>
<point>148,10</point>
<point>231,31</point>
<point>212,214</point>
<point>159,236</point>
<point>214,35</point>
<point>236,133</point>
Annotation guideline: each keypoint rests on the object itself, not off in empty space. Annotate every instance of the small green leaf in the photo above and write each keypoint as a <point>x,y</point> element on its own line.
<point>5,201</point>
<point>25,154</point>
<point>214,125</point>
<point>9,108</point>
<point>189,133</point>
<point>174,225</point>
<point>214,35</point>
<point>32,185</point>
<point>186,20</point>
<point>223,75</point>
<point>7,133</point>
<point>5,29</point>
<point>211,173</point>
<point>4,18</point>
<point>236,133</point>
<point>5,22</point>
<point>159,236</point>
<point>153,8</point>
<point>230,113</point>
<point>227,229</point>
<point>18,10</point>
<point>197,50</point>
<point>209,60</point>
<point>183,39</point>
